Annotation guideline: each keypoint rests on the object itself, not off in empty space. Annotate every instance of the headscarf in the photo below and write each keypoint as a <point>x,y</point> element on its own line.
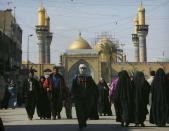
<point>124,86</point>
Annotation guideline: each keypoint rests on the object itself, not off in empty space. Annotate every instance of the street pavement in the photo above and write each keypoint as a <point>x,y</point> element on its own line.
<point>16,120</point>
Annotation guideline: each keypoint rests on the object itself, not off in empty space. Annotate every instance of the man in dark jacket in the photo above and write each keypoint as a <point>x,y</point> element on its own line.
<point>85,93</point>
<point>57,87</point>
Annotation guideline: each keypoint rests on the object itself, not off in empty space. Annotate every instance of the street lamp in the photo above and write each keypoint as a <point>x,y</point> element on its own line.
<point>30,35</point>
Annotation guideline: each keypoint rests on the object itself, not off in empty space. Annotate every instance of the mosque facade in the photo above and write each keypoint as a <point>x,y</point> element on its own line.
<point>99,62</point>
<point>100,65</point>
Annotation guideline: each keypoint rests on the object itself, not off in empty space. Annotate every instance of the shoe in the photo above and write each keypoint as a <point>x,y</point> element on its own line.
<point>85,125</point>
<point>69,117</point>
<point>122,124</point>
<point>59,117</point>
<point>53,118</point>
<point>81,127</point>
<point>30,118</point>
<point>142,125</point>
<point>126,125</point>
<point>136,125</point>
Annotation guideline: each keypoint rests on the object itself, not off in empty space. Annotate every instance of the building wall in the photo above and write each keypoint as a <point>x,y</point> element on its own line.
<point>39,68</point>
<point>9,26</point>
<point>100,69</point>
<point>136,66</point>
<point>6,21</point>
<point>93,61</point>
<point>10,42</point>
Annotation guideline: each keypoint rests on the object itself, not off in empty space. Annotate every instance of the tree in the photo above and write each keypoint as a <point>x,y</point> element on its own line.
<point>109,50</point>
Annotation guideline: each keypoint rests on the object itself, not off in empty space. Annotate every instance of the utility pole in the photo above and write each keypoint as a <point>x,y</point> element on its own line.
<point>30,35</point>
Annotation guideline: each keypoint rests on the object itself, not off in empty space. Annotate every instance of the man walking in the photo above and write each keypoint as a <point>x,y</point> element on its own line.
<point>57,86</point>
<point>30,94</point>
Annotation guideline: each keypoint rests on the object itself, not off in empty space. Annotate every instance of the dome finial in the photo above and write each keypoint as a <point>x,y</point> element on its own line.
<point>41,3</point>
<point>140,3</point>
<point>79,43</point>
<point>80,34</point>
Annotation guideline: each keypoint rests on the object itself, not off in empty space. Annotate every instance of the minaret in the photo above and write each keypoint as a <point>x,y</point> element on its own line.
<point>142,31</point>
<point>44,36</point>
<point>135,40</point>
<point>48,41</point>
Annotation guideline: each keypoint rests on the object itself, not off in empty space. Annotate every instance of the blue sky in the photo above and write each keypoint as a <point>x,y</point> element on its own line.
<point>92,17</point>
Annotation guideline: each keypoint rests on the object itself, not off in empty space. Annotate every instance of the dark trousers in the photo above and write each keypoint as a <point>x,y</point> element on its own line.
<point>118,111</point>
<point>1,125</point>
<point>68,108</point>
<point>56,103</point>
<point>81,112</point>
<point>30,104</point>
<point>56,107</point>
<point>67,103</point>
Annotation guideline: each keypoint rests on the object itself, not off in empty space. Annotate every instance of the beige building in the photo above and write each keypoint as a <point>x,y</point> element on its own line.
<point>99,63</point>
<point>39,69</point>
<point>80,51</point>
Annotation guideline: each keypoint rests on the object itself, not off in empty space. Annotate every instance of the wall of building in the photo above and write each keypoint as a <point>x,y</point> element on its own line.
<point>38,68</point>
<point>10,42</point>
<point>92,61</point>
<point>132,67</point>
<point>6,21</point>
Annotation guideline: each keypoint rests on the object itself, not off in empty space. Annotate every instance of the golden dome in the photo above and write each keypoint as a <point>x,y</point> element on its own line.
<point>41,9</point>
<point>141,8</point>
<point>141,15</point>
<point>102,41</point>
<point>80,43</point>
<point>41,16</point>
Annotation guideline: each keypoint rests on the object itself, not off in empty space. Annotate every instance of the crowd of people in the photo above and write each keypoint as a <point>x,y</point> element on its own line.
<point>8,93</point>
<point>129,95</point>
<point>132,95</point>
<point>48,95</point>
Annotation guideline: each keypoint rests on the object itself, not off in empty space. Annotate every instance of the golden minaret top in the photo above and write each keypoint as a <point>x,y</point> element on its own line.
<point>41,16</point>
<point>141,15</point>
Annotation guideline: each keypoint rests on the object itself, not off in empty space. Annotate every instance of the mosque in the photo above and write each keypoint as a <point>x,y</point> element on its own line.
<point>98,59</point>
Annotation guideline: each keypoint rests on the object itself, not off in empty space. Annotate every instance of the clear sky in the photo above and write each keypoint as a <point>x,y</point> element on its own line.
<point>92,17</point>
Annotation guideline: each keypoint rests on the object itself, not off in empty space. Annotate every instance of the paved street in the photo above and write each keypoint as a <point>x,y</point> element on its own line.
<point>16,120</point>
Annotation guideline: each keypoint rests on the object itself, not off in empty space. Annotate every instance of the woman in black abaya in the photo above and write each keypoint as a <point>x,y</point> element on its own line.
<point>141,90</point>
<point>159,107</point>
<point>124,96</point>
<point>104,106</point>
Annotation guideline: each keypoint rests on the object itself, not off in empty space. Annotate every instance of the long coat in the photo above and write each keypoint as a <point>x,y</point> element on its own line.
<point>85,93</point>
<point>160,98</point>
<point>124,98</point>
<point>141,97</point>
